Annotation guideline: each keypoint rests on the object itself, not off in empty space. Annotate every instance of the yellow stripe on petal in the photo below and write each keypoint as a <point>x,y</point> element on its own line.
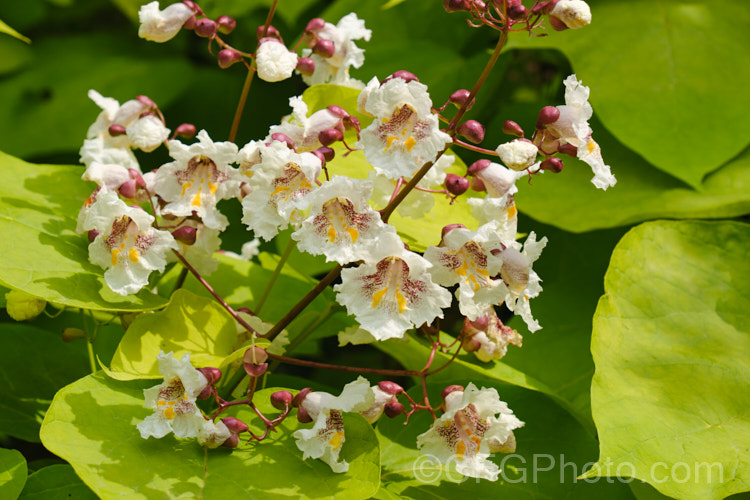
<point>401,302</point>
<point>133,255</point>
<point>410,143</point>
<point>331,234</point>
<point>511,211</point>
<point>185,187</point>
<point>337,440</point>
<point>460,450</point>
<point>115,253</point>
<point>213,188</point>
<point>353,233</point>
<point>169,413</point>
<point>389,141</point>
<point>378,296</point>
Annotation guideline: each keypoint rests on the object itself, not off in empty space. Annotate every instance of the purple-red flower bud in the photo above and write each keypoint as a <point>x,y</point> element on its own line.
<point>456,5</point>
<point>278,136</point>
<point>451,388</point>
<point>205,28</point>
<point>254,361</point>
<point>403,74</point>
<point>329,136</point>
<point>456,185</point>
<point>557,24</point>
<point>146,101</point>
<point>71,334</point>
<point>271,32</point>
<point>305,66</point>
<point>393,409</point>
<point>460,97</point>
<point>390,387</point>
<point>554,165</point>
<point>212,374</point>
<point>547,115</point>
<point>301,395</point>
<point>281,400</point>
<point>315,24</point>
<point>128,189</point>
<point>232,441</point>
<point>92,234</point>
<point>186,130</point>
<point>320,157</point>
<point>477,184</point>
<point>472,130</point>
<point>328,153</point>
<point>185,234</point>
<point>227,57</point>
<point>235,425</point>
<point>477,166</point>
<point>450,227</point>
<point>193,6</point>
<point>226,24</point>
<point>568,149</point>
<point>542,7</point>
<point>303,416</point>
<point>338,111</point>
<point>190,23</point>
<point>324,48</point>
<point>517,11</point>
<point>137,177</point>
<point>512,128</point>
<point>116,130</point>
<point>206,393</point>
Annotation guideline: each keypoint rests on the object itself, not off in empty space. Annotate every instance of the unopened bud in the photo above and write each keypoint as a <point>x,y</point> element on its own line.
<point>301,395</point>
<point>271,32</point>
<point>254,361</point>
<point>92,234</point>
<point>206,393</point>
<point>190,23</point>
<point>456,5</point>
<point>390,387</point>
<point>450,227</point>
<point>478,166</point>
<point>315,24</point>
<point>542,7</point>
<point>547,115</point>
<point>568,149</point>
<point>278,136</point>
<point>320,156</point>
<point>456,185</point>
<point>303,416</point>
<point>116,130</point>
<point>71,334</point>
<point>470,344</point>
<point>338,111</point>
<point>127,189</point>
<point>479,5</point>
<point>185,234</point>
<point>226,24</point>
<point>557,24</point>
<point>517,11</point>
<point>477,184</point>
<point>186,130</point>
<point>393,409</point>
<point>451,388</point>
<point>227,57</point>
<point>512,128</point>
<point>460,97</point>
<point>329,136</point>
<point>205,28</point>
<point>472,130</point>
<point>281,400</point>
<point>235,425</point>
<point>324,48</point>
<point>403,74</point>
<point>328,153</point>
<point>554,165</point>
<point>305,66</point>
<point>212,374</point>
<point>232,441</point>
<point>193,6</point>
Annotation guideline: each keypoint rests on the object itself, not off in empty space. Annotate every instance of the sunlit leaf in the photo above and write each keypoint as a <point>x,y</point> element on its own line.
<point>56,482</point>
<point>12,473</point>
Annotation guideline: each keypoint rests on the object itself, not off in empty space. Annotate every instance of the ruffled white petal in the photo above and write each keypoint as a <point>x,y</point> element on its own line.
<point>161,26</point>
<point>274,61</point>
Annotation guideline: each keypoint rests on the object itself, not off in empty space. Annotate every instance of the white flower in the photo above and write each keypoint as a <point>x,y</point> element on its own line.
<point>405,133</point>
<point>280,182</point>
<point>335,69</point>
<point>106,165</point>
<point>523,282</point>
<point>274,61</point>
<point>198,179</point>
<point>517,154</point>
<point>213,434</point>
<point>572,127</point>
<point>465,257</point>
<point>201,253</point>
<point>391,293</point>
<point>499,180</point>
<point>325,439</point>
<point>126,246</point>
<point>490,336</point>
<point>161,26</point>
<point>469,431</point>
<point>341,225</point>
<point>173,401</point>
<point>304,131</point>
<point>573,13</point>
<point>501,210</point>
<point>147,133</point>
<point>380,399</point>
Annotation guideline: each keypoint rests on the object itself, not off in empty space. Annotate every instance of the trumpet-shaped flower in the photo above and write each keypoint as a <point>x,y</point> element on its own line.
<point>392,292</point>
<point>573,13</point>
<point>521,279</point>
<point>106,165</point>
<point>475,423</point>
<point>489,337</point>
<point>162,25</point>
<point>126,246</point>
<point>325,439</point>
<point>173,401</point>
<point>405,133</point>
<point>304,131</point>
<point>199,177</point>
<point>213,434</point>
<point>500,210</point>
<point>274,61</point>
<point>142,130</point>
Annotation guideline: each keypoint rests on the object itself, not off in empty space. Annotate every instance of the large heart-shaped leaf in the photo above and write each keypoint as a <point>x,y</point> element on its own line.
<point>56,482</point>
<point>13,475</point>
<point>671,392</point>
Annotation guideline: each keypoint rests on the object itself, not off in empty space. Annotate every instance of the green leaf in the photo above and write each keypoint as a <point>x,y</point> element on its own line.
<point>568,200</point>
<point>670,395</point>
<point>36,364</point>
<point>12,473</point>
<point>56,482</point>
<point>13,55</point>
<point>4,28</point>
<point>38,206</point>
<point>674,93</point>
<point>552,449</point>
<point>189,323</point>
<point>91,424</point>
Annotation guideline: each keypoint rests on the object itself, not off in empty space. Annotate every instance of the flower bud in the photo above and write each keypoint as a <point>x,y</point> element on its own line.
<point>456,185</point>
<point>186,130</point>
<point>185,234</point>
<point>456,5</point>
<point>470,344</point>
<point>568,149</point>
<point>71,334</point>
<point>281,400</point>
<point>512,128</point>
<point>393,409</point>
<point>517,11</point>
<point>301,395</point>
<point>235,425</point>
<point>390,387</point>
<point>302,416</point>
<point>451,388</point>
<point>338,111</point>
<point>22,306</point>
<point>547,115</point>
<point>315,24</point>
<point>226,24</point>
<point>206,393</point>
<point>472,130</point>
<point>92,234</point>
<point>324,48</point>
<point>205,28</point>
<point>477,184</point>
<point>450,227</point>
<point>554,165</point>
<point>212,374</point>
<point>572,14</point>
<point>320,157</point>
<point>305,66</point>
<point>127,189</point>
<point>254,361</point>
<point>403,74</point>
<point>227,57</point>
<point>116,130</point>
<point>478,166</point>
<point>190,23</point>
<point>329,136</point>
<point>328,153</point>
<point>542,7</point>
<point>193,6</point>
<point>557,24</point>
<point>232,442</point>
<point>278,136</point>
<point>460,97</point>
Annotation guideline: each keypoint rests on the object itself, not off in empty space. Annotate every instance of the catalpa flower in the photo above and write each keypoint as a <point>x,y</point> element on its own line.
<point>274,61</point>
<point>341,225</point>
<point>465,258</point>
<point>487,337</point>
<point>201,253</point>
<point>279,184</point>
<point>199,177</point>
<point>572,127</point>
<point>522,281</point>
<point>304,131</point>
<point>126,246</point>
<point>469,431</point>
<point>108,166</point>
<point>405,133</point>
<point>173,401</point>
<point>498,210</point>
<point>142,130</point>
<point>392,292</point>
<point>162,25</point>
<point>573,13</point>
<point>335,69</point>
<point>325,439</point>
<point>213,435</point>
